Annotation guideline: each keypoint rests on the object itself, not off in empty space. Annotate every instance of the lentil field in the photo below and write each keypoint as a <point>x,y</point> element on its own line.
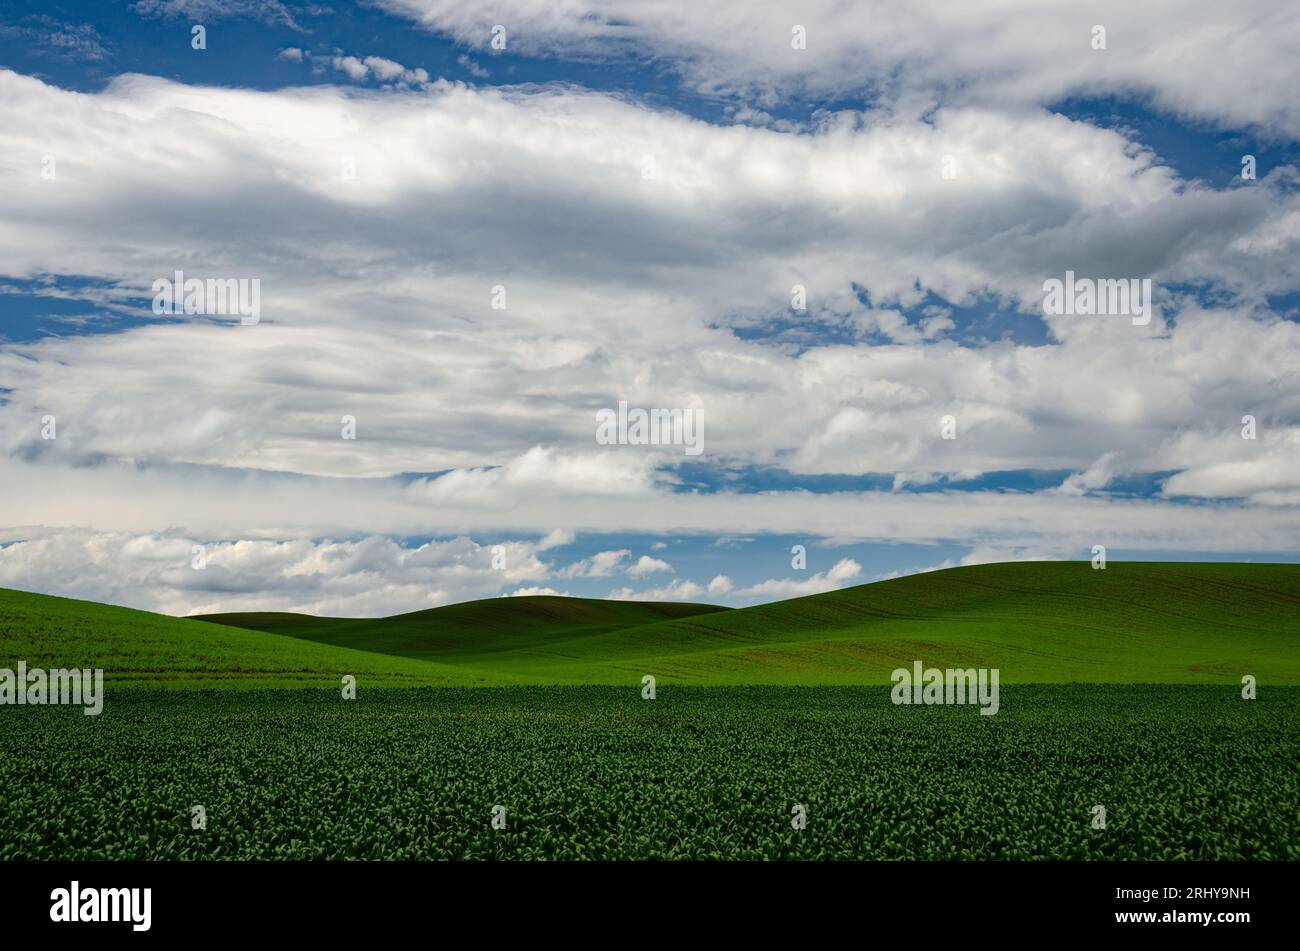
<point>597,772</point>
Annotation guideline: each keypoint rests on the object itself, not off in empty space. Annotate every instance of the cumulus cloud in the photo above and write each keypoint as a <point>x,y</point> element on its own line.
<point>837,576</point>
<point>631,296</point>
<point>600,565</point>
<point>645,565</point>
<point>381,70</point>
<point>534,591</point>
<point>679,589</point>
<point>370,576</point>
<point>1226,465</point>
<point>356,70</point>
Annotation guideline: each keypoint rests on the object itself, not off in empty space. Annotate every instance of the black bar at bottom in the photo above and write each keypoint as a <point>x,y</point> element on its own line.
<point>944,900</point>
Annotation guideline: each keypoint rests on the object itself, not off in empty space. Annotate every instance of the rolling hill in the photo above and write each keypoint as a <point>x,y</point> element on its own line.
<point>462,631</point>
<point>140,647</point>
<point>1045,622</point>
<point>1038,621</point>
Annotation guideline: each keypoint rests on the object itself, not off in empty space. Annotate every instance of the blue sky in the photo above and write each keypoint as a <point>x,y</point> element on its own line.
<point>650,190</point>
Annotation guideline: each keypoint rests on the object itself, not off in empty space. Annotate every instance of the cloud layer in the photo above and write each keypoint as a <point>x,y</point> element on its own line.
<point>377,290</point>
<point>1177,52</point>
<point>470,273</point>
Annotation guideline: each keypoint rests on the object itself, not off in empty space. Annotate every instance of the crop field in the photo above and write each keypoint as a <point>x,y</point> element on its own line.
<point>586,772</point>
<point>1120,689</point>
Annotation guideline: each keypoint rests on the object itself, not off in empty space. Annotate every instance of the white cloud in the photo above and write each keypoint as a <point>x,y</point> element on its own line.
<point>679,589</point>
<point>1174,51</point>
<point>600,565</point>
<point>372,576</point>
<point>946,563</point>
<point>205,11</point>
<point>355,69</point>
<point>535,591</point>
<point>843,571</point>
<point>595,314</point>
<point>384,71</point>
<point>994,554</point>
<point>376,303</point>
<point>1224,465</point>
<point>248,504</point>
<point>49,34</point>
<point>646,565</point>
<point>473,68</point>
<point>556,538</point>
<point>1096,476</point>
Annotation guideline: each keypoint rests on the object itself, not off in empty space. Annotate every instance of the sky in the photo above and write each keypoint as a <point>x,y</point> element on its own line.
<point>821,232</point>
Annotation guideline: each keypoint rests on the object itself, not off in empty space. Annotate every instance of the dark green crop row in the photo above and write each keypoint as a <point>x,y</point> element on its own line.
<point>698,773</point>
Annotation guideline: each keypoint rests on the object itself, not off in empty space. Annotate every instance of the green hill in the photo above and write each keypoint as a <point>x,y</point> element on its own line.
<point>1037,621</point>
<point>460,632</point>
<point>1045,622</point>
<point>137,646</point>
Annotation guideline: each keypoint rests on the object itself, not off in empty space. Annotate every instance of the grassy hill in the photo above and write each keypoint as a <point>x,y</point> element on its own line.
<point>1037,621</point>
<point>458,632</point>
<point>137,646</point>
<point>1045,622</point>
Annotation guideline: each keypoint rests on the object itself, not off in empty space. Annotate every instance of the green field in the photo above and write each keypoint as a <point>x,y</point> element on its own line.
<point>1184,772</point>
<point>1121,688</point>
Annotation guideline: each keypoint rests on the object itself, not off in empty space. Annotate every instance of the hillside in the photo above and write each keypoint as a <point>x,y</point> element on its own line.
<point>1038,621</point>
<point>464,631</point>
<point>137,646</point>
<point>1045,622</point>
